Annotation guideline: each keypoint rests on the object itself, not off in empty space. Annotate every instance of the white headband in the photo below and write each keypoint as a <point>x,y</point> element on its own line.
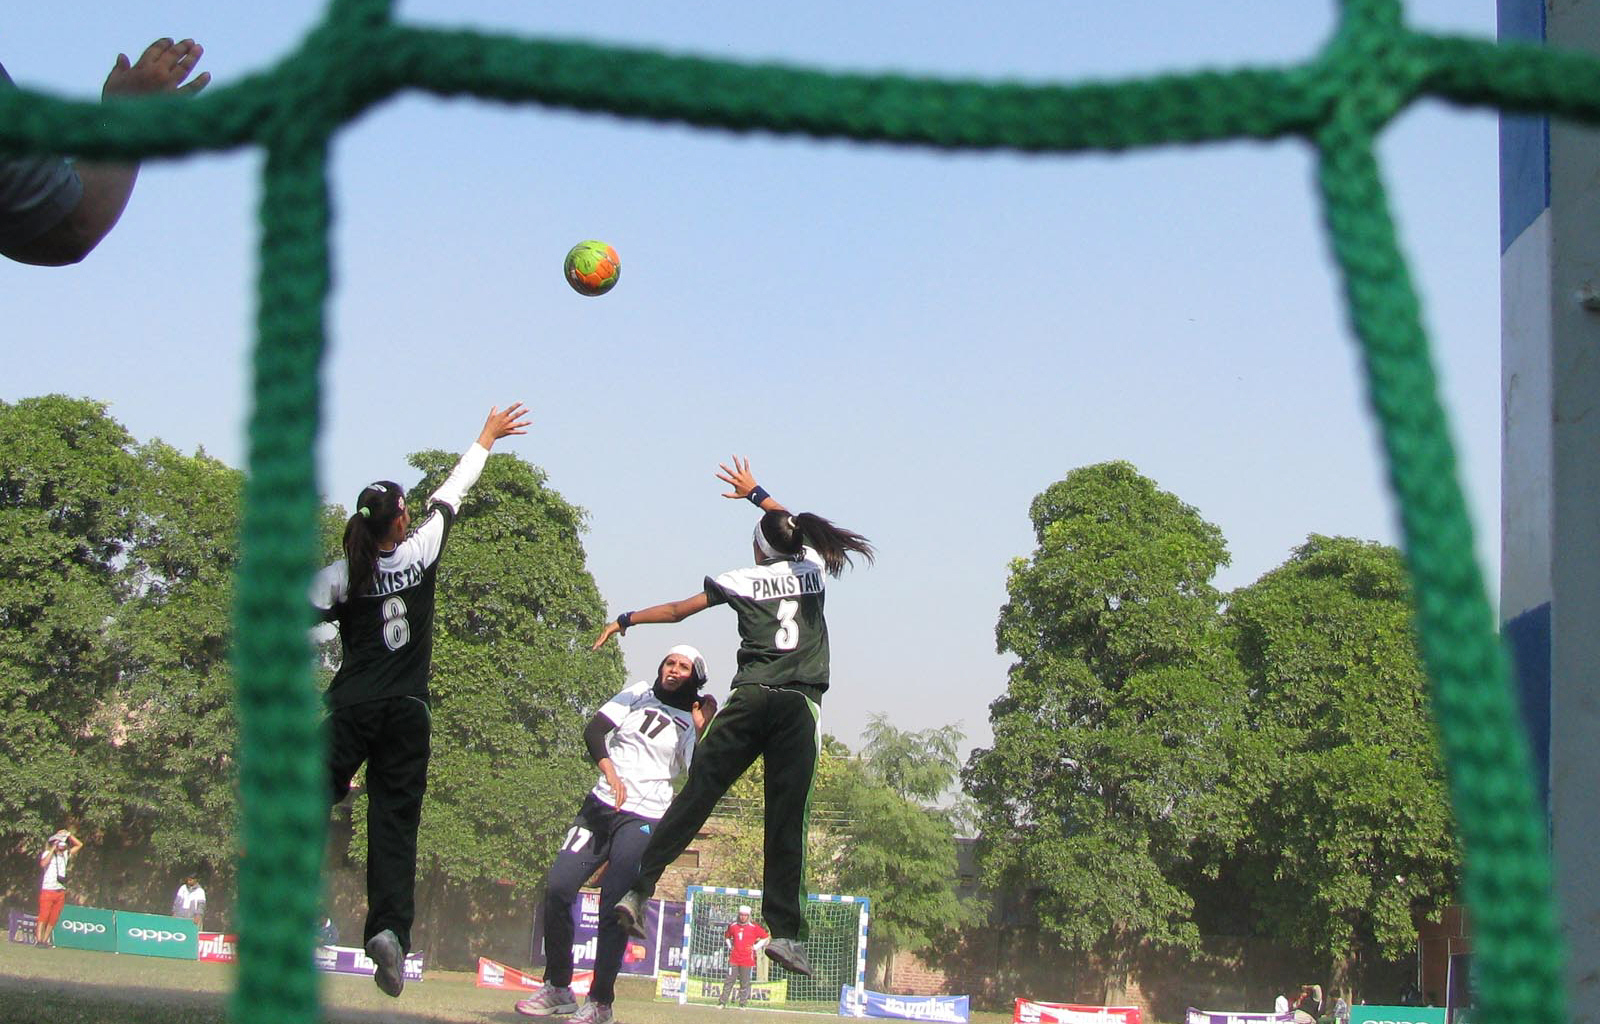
<point>695,659</point>
<point>765,546</point>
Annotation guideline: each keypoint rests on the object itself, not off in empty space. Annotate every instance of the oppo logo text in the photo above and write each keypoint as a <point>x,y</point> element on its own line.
<point>82,927</point>
<point>154,935</point>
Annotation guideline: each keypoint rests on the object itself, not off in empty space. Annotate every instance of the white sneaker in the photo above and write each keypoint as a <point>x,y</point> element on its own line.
<point>594,1013</point>
<point>547,1001</point>
<point>384,949</point>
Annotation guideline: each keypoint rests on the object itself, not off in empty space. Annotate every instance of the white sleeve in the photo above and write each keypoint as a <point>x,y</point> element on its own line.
<point>617,708</point>
<point>328,586</point>
<point>455,487</point>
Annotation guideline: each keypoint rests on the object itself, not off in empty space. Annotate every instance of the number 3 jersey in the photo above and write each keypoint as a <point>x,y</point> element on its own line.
<point>387,632</point>
<point>651,745</point>
<point>783,637</point>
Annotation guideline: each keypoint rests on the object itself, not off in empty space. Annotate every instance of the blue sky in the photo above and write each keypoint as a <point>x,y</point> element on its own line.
<point>913,344</point>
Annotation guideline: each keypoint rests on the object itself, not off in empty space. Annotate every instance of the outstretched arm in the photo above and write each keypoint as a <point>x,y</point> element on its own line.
<point>513,420</point>
<point>672,611</point>
<point>162,68</point>
<point>744,486</point>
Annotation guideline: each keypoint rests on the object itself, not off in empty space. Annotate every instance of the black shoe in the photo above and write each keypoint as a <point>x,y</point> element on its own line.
<point>384,949</point>
<point>630,914</point>
<point>789,955</point>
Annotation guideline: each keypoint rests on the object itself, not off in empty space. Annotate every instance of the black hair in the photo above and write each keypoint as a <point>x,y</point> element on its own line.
<point>378,507</point>
<point>789,533</point>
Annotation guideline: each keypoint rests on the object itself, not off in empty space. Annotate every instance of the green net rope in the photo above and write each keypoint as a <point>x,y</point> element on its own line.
<point>1339,101</point>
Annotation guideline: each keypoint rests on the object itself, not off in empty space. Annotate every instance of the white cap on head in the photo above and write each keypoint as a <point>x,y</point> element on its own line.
<point>744,908</point>
<point>693,654</point>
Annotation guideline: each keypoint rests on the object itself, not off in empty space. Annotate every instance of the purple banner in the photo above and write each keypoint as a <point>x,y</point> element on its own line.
<point>19,926</point>
<point>1194,1016</point>
<point>352,960</point>
<point>639,956</point>
<point>669,946</point>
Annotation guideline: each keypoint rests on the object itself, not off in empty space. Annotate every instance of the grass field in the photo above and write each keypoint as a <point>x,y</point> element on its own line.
<point>66,986</point>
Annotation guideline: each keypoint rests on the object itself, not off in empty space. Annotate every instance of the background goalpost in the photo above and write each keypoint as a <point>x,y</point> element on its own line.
<point>837,948</point>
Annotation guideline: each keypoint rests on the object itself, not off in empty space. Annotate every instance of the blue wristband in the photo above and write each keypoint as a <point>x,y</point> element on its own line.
<point>624,621</point>
<point>757,495</point>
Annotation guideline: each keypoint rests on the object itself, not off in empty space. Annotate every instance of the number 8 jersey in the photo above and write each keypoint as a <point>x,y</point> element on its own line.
<point>783,637</point>
<point>651,745</point>
<point>387,632</point>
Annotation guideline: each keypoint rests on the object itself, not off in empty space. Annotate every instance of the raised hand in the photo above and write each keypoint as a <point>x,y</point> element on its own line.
<point>162,67</point>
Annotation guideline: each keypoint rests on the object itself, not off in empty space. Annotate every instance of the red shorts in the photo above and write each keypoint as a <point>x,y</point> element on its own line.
<point>50,903</point>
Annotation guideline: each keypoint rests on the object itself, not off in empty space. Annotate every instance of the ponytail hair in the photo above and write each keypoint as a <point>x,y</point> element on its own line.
<point>787,534</point>
<point>378,507</point>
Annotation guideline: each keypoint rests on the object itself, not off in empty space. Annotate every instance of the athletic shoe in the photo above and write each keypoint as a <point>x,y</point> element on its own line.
<point>384,949</point>
<point>548,1000</point>
<point>789,955</point>
<point>594,1013</point>
<point>630,914</point>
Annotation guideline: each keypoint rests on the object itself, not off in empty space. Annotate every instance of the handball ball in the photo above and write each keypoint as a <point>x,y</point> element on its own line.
<point>592,268</point>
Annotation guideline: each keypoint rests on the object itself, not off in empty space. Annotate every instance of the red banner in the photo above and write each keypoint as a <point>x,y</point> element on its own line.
<point>1029,1011</point>
<point>217,947</point>
<point>497,975</point>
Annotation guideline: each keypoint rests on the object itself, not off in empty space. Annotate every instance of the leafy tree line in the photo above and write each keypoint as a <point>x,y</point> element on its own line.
<point>1169,761</point>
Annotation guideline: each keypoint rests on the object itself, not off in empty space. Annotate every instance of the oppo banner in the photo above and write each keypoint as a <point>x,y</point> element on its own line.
<point>156,935</point>
<point>86,928</point>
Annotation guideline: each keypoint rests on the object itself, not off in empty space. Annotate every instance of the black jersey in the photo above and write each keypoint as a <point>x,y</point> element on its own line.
<point>387,633</point>
<point>783,637</point>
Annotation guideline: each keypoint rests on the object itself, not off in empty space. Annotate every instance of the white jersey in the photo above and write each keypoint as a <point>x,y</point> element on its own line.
<point>651,745</point>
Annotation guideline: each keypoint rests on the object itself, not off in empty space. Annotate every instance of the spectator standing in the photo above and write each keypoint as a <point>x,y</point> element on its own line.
<point>744,939</point>
<point>55,859</point>
<point>190,902</point>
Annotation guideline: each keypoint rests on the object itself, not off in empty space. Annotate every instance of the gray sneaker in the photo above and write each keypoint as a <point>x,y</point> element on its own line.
<point>548,1000</point>
<point>384,949</point>
<point>630,914</point>
<point>789,955</point>
<point>594,1013</point>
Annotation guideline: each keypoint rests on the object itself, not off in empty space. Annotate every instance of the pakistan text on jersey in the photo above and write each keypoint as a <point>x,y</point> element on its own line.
<point>764,588</point>
<point>389,582</point>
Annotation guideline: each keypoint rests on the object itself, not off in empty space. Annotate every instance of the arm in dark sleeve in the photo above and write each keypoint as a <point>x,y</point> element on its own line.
<point>594,736</point>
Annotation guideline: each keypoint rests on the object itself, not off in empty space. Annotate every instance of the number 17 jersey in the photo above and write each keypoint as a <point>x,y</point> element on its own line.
<point>651,745</point>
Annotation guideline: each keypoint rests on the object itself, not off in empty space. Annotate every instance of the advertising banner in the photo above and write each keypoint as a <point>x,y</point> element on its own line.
<point>354,960</point>
<point>86,928</point>
<point>669,944</point>
<point>639,956</point>
<point>156,935</point>
<point>19,926</point>
<point>670,986</point>
<point>1032,1011</point>
<point>1236,1017</point>
<point>492,974</point>
<point>1397,1015</point>
<point>217,948</point>
<point>860,1002</point>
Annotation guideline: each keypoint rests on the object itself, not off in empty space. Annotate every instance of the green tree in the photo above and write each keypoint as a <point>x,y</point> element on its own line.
<point>67,481</point>
<point>513,684</point>
<point>169,714</point>
<point>898,850</point>
<point>1108,783</point>
<point>1354,835</point>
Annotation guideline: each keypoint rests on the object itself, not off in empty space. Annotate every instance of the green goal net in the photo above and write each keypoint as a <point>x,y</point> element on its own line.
<point>1337,102</point>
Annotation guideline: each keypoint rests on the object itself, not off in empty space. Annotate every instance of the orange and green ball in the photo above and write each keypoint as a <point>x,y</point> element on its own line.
<point>592,268</point>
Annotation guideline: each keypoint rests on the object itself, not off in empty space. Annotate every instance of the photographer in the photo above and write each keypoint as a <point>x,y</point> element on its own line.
<point>57,854</point>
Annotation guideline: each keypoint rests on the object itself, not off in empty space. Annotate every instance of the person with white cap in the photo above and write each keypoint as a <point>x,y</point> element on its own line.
<point>641,740</point>
<point>744,939</point>
<point>774,707</point>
